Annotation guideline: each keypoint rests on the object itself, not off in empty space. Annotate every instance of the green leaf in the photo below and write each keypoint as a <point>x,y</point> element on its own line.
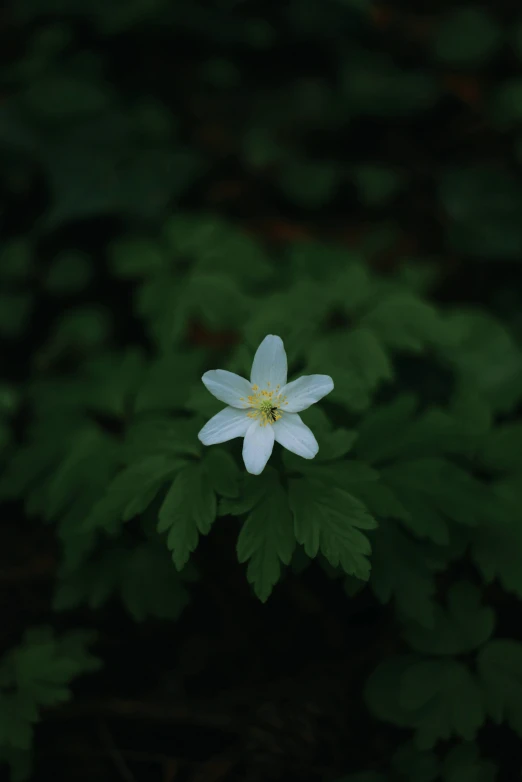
<point>36,674</point>
<point>437,698</point>
<point>350,474</point>
<point>132,491</point>
<point>161,435</point>
<point>20,762</point>
<point>356,361</point>
<point>376,183</point>
<point>502,448</point>
<point>467,36</point>
<point>70,272</point>
<point>382,425</point>
<point>497,548</point>
<point>403,569</point>
<point>223,472</point>
<point>333,443</point>
<point>267,537</point>
<point>18,713</point>
<point>381,500</point>
<point>436,491</point>
<point>212,243</point>
<point>351,285</point>
<point>443,699</point>
<point>483,202</point>
<point>463,764</point>
<point>188,510</point>
<point>167,382</point>
<point>487,359</point>
<point>499,666</point>
<point>435,432</point>
<point>151,586</point>
<point>406,322</point>
<point>216,300</point>
<point>143,577</point>
<point>382,690</point>
<point>297,314</point>
<point>80,329</point>
<point>252,490</point>
<point>135,257</point>
<point>309,183</point>
<point>460,629</point>
<point>329,520</point>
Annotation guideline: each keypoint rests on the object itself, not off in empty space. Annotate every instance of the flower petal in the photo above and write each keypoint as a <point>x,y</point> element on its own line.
<point>295,436</point>
<point>225,425</point>
<point>257,447</point>
<point>270,364</point>
<point>227,387</point>
<point>306,391</point>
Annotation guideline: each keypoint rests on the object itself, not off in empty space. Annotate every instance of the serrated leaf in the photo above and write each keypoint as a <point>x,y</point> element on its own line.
<point>188,510</point>
<point>357,362</point>
<point>167,381</point>
<point>212,243</point>
<point>380,428</point>
<point>223,472</point>
<point>38,673</point>
<point>499,666</point>
<point>345,473</point>
<point>497,548</point>
<point>444,700</point>
<point>161,435</point>
<point>381,500</point>
<point>406,322</point>
<point>487,359</point>
<point>267,537</point>
<point>329,520</point>
<point>391,432</point>
<point>460,629</point>
<point>437,698</point>
<point>404,569</point>
<point>132,491</point>
<point>333,443</point>
<point>251,492</point>
<point>436,491</point>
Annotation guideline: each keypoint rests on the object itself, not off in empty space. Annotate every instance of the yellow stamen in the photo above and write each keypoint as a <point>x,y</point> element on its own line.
<point>266,405</point>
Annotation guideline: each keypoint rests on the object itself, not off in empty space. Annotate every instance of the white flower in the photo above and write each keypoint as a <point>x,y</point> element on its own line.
<point>265,409</point>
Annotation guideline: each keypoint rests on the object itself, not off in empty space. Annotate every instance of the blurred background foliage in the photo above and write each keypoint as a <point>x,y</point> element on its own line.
<point>164,166</point>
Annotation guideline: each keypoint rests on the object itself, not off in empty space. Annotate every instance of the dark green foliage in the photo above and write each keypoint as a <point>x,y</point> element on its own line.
<point>367,159</point>
<point>35,675</point>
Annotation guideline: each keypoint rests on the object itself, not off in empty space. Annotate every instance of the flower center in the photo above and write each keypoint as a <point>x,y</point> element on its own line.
<point>266,405</point>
